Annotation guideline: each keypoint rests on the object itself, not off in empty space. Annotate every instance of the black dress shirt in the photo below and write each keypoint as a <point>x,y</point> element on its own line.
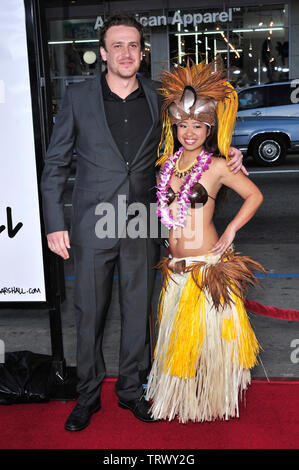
<point>129,119</point>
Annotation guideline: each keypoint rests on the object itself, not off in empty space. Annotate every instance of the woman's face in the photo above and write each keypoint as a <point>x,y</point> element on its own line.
<point>192,134</point>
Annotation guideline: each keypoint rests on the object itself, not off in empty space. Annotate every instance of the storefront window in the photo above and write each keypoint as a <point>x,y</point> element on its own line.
<point>73,53</point>
<point>252,41</point>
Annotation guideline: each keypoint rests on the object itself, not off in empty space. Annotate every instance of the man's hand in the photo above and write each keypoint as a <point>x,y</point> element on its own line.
<point>58,242</point>
<point>236,161</point>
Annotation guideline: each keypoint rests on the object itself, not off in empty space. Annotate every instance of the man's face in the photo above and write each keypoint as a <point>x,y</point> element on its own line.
<point>123,51</point>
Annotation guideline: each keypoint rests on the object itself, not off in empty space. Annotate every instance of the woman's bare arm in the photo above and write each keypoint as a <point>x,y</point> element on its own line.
<point>252,196</point>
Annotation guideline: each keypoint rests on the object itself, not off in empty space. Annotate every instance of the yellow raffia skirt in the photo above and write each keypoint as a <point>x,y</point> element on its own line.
<point>206,345</point>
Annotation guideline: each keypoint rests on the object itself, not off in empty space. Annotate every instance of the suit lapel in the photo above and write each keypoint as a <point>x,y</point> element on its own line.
<point>97,105</point>
<point>152,101</point>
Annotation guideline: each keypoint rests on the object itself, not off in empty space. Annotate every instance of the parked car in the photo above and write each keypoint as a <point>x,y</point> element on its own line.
<point>270,99</point>
<point>267,139</point>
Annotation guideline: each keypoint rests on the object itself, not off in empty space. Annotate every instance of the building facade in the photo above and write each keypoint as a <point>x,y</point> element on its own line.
<point>257,42</point>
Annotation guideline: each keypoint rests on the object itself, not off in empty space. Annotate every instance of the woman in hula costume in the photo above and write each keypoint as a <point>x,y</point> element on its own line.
<point>205,346</point>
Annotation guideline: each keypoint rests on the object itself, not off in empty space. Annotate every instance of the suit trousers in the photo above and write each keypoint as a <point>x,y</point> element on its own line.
<point>94,274</point>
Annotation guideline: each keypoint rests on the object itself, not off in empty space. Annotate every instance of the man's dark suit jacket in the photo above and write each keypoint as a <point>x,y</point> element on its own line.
<point>102,173</point>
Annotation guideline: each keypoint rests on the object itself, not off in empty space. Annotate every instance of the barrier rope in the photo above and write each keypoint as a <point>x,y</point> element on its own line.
<point>269,311</point>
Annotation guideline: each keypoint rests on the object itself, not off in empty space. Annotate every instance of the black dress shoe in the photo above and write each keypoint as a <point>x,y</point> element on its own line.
<point>139,407</point>
<point>80,417</point>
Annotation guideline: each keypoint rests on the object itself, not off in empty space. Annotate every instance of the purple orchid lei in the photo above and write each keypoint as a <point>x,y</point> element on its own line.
<point>163,211</point>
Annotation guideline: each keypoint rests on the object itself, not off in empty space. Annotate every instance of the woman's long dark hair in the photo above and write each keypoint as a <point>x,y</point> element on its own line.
<point>211,146</point>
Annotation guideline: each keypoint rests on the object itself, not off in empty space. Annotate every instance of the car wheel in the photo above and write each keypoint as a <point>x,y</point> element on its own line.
<point>269,150</point>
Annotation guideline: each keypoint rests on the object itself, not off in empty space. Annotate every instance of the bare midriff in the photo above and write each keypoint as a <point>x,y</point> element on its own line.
<point>196,238</point>
<point>199,234</point>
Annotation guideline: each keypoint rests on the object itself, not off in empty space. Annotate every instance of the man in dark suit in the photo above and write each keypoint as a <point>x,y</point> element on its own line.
<point>114,122</point>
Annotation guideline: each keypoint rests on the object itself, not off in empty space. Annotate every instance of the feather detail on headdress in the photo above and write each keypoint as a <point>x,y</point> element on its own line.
<point>205,79</point>
<point>214,96</point>
<point>226,116</point>
<point>166,140</point>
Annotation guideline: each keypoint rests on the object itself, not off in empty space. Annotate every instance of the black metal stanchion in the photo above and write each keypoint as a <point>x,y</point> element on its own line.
<point>58,362</point>
<point>63,377</point>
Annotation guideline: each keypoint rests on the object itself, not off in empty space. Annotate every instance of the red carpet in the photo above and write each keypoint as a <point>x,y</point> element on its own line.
<point>269,419</point>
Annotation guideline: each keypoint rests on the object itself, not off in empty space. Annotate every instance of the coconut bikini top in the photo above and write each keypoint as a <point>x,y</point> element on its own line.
<point>198,195</point>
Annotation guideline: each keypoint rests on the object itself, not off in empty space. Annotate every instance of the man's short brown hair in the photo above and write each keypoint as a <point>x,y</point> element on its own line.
<point>121,19</point>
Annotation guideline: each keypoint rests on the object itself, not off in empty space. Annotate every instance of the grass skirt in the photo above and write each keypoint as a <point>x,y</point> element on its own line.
<point>205,346</point>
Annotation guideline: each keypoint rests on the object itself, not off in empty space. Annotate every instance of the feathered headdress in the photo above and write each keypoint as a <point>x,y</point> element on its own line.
<point>198,92</point>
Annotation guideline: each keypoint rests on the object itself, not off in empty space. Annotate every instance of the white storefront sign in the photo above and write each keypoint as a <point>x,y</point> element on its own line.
<point>185,19</point>
<point>21,260</point>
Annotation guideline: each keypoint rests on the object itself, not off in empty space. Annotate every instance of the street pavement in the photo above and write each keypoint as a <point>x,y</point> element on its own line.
<point>271,238</point>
